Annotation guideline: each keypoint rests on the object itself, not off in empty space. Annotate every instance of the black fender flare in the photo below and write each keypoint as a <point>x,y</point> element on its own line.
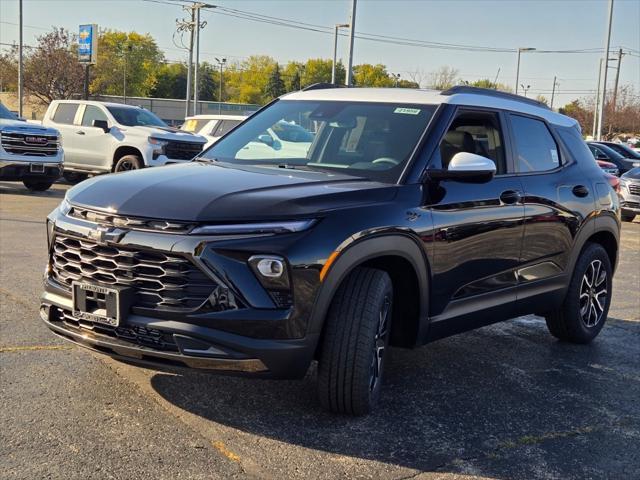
<point>601,223</point>
<point>400,244</point>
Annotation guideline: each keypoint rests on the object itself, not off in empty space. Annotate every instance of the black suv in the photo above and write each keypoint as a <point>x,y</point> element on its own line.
<point>398,218</point>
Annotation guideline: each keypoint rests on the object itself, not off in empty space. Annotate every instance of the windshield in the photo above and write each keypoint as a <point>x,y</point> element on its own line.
<point>135,117</point>
<point>6,114</point>
<point>371,140</point>
<point>633,173</point>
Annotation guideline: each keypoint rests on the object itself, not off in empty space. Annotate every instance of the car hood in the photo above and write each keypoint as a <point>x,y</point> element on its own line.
<point>166,133</point>
<point>206,192</point>
<point>19,126</point>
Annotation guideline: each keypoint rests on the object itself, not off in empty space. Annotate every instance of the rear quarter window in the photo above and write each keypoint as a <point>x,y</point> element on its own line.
<point>576,145</point>
<point>65,113</point>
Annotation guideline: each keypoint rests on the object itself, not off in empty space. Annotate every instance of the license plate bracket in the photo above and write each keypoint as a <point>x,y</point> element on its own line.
<point>36,168</point>
<point>101,304</point>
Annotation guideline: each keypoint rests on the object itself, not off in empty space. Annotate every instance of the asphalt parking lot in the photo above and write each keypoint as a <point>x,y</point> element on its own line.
<point>506,401</point>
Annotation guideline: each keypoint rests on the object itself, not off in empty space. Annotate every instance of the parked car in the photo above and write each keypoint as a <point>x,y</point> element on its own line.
<point>608,167</point>
<point>411,216</point>
<point>211,127</point>
<point>103,137</point>
<point>630,194</point>
<point>603,152</point>
<point>29,153</point>
<point>624,150</point>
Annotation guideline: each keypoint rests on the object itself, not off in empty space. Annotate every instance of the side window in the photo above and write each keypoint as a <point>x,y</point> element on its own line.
<point>536,149</point>
<point>224,126</point>
<point>474,132</point>
<point>574,142</point>
<point>65,113</point>
<point>92,113</point>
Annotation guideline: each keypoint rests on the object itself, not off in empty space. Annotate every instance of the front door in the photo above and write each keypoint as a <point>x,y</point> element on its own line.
<point>478,229</point>
<point>92,144</point>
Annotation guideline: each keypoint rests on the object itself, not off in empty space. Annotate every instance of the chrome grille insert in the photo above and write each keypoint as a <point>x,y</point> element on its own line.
<point>634,188</point>
<point>160,280</point>
<point>34,145</point>
<point>133,223</point>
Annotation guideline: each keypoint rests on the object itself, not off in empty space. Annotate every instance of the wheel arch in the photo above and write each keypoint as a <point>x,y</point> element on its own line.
<point>603,230</point>
<point>123,150</point>
<point>401,256</point>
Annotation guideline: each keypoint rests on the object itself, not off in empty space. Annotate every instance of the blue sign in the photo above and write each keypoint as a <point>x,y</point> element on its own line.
<point>88,43</point>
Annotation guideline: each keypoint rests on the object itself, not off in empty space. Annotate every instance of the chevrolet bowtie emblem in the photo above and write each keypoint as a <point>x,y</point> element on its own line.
<point>104,234</point>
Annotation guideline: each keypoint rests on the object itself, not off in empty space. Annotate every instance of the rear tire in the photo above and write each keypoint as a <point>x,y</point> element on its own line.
<point>355,343</point>
<point>586,305</point>
<point>128,162</point>
<point>74,177</point>
<point>628,217</point>
<point>37,185</point>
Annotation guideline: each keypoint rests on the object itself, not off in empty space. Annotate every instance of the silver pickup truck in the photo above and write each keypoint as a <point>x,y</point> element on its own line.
<point>29,153</point>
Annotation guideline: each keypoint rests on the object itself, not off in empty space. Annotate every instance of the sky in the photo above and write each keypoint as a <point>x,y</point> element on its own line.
<point>502,24</point>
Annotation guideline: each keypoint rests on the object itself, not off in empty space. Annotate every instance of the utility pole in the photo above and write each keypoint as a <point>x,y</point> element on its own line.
<point>125,53</point>
<point>335,49</point>
<point>597,102</point>
<point>352,29</point>
<point>199,26</point>
<point>20,61</point>
<point>183,26</point>
<point>221,62</point>
<point>553,91</point>
<point>604,75</point>
<point>520,50</point>
<point>615,85</point>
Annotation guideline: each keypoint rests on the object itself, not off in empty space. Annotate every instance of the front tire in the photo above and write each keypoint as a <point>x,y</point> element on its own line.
<point>128,162</point>
<point>74,177</point>
<point>628,217</point>
<point>586,305</point>
<point>37,185</point>
<point>355,343</point>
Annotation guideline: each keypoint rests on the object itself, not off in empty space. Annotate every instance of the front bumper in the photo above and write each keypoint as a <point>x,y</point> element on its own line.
<point>628,201</point>
<point>20,170</point>
<point>181,345</point>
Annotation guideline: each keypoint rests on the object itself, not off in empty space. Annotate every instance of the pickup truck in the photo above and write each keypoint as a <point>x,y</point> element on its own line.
<point>101,137</point>
<point>28,153</point>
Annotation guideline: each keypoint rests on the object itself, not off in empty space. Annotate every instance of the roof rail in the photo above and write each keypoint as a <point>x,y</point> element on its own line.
<point>492,93</point>
<point>322,86</point>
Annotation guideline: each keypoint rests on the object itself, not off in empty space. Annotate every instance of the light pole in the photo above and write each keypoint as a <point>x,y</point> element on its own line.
<point>520,50</point>
<point>604,74</point>
<point>352,31</point>
<point>396,78</point>
<point>335,49</point>
<point>526,89</point>
<point>20,62</point>
<point>221,62</point>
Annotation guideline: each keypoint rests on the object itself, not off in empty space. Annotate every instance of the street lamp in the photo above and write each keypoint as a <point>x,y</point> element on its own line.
<point>396,77</point>
<point>335,49</point>
<point>526,89</point>
<point>520,50</point>
<point>221,62</point>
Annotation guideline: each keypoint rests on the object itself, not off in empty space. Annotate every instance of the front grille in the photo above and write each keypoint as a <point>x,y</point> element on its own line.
<point>634,205</point>
<point>160,280</point>
<point>182,150</point>
<point>143,336</point>
<point>634,188</point>
<point>29,144</point>
<point>133,223</point>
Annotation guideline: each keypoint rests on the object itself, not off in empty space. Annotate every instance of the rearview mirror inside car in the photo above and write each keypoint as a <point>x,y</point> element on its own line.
<point>466,167</point>
<point>103,124</point>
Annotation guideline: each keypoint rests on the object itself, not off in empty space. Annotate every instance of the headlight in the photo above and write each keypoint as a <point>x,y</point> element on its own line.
<point>64,206</point>
<point>256,228</point>
<point>158,145</point>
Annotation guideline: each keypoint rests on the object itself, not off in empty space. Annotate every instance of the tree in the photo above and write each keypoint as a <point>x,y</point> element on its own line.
<point>443,78</point>
<point>407,84</point>
<point>132,52</point>
<point>171,81</point>
<point>51,69</point>
<point>318,70</point>
<point>542,99</point>
<point>367,75</point>
<point>275,85</point>
<point>292,76</point>
<point>246,81</point>
<point>486,83</point>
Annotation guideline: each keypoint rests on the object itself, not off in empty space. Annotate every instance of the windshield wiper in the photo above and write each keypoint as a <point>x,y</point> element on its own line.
<point>205,160</point>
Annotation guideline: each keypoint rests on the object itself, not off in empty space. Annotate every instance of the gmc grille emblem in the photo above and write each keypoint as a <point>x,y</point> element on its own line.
<point>103,234</point>
<point>36,140</point>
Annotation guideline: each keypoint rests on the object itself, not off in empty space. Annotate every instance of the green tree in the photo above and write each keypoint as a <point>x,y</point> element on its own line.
<point>171,81</point>
<point>318,70</point>
<point>407,84</point>
<point>486,83</point>
<point>138,54</point>
<point>367,75</point>
<point>292,75</point>
<point>275,85</point>
<point>246,81</point>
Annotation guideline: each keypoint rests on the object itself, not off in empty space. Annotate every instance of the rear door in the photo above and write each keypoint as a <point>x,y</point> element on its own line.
<point>63,120</point>
<point>478,228</point>
<point>557,199</point>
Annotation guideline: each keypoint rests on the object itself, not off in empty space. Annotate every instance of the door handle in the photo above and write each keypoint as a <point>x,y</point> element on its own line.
<point>80,132</point>
<point>510,197</point>
<point>580,191</point>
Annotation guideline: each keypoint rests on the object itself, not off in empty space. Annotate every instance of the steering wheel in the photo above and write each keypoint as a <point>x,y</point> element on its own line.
<point>390,160</point>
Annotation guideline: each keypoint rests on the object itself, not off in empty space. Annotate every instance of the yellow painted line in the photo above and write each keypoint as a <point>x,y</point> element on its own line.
<point>222,448</point>
<point>31,348</point>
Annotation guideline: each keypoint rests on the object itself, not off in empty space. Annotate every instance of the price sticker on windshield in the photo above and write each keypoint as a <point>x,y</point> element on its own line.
<point>407,111</point>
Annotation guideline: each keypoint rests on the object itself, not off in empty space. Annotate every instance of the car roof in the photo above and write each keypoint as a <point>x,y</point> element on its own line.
<point>94,102</point>
<point>217,117</point>
<point>474,97</point>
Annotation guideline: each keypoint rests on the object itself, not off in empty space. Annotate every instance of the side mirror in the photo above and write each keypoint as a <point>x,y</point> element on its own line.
<point>266,139</point>
<point>467,167</point>
<point>103,124</point>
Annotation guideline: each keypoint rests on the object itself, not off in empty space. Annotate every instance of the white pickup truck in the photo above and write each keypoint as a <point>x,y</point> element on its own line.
<point>29,153</point>
<point>101,137</point>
